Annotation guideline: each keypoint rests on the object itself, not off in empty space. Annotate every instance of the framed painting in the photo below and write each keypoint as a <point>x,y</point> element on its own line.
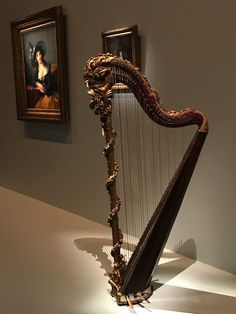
<point>38,44</point>
<point>124,43</point>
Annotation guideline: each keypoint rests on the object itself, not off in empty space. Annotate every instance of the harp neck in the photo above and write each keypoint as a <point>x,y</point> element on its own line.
<point>103,71</point>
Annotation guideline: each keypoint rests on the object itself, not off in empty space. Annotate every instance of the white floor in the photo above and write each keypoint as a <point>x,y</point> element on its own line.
<point>55,262</point>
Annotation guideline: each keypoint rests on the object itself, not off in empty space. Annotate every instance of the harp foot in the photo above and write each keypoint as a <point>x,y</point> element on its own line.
<point>132,298</point>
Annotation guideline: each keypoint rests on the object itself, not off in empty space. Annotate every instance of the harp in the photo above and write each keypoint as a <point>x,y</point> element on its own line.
<point>131,281</point>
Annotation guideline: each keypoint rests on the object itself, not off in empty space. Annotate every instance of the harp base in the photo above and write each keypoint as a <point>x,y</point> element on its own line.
<point>132,298</point>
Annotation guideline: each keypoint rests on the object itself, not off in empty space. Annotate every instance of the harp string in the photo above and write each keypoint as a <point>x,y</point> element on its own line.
<point>120,159</point>
<point>138,152</point>
<point>147,155</point>
<point>124,177</point>
<point>141,183</point>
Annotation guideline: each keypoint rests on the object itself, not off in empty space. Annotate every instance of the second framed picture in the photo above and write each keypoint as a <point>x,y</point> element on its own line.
<point>123,42</point>
<point>38,45</point>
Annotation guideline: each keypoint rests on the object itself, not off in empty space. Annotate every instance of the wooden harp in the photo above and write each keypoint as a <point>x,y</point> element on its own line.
<point>131,281</point>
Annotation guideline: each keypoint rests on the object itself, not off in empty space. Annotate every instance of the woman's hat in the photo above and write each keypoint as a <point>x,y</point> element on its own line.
<point>40,45</point>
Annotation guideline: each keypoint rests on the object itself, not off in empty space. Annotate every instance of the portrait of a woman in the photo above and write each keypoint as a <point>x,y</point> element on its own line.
<point>42,93</point>
<point>39,54</point>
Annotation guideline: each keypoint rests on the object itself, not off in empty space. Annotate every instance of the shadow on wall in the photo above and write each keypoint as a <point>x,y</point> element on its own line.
<point>187,248</point>
<point>53,132</point>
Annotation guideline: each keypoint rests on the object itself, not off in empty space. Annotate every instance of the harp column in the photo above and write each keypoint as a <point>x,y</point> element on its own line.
<point>105,112</point>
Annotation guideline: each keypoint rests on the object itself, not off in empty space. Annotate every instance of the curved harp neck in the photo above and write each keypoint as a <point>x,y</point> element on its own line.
<point>103,71</point>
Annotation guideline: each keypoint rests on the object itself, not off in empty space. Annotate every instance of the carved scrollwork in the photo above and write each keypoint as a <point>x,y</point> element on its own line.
<point>103,71</point>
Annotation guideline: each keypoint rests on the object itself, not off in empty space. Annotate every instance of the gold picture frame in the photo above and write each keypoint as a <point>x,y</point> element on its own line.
<point>38,43</point>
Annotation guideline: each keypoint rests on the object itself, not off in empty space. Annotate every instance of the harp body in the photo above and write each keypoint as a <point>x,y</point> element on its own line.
<point>131,281</point>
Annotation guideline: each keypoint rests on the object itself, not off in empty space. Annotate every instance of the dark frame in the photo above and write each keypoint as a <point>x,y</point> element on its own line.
<point>45,30</point>
<point>123,42</point>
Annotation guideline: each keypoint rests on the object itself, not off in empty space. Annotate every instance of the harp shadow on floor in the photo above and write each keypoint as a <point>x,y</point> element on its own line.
<point>170,265</point>
<point>167,297</point>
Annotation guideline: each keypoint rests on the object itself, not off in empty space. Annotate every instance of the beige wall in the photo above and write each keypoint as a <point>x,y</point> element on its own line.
<point>188,54</point>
